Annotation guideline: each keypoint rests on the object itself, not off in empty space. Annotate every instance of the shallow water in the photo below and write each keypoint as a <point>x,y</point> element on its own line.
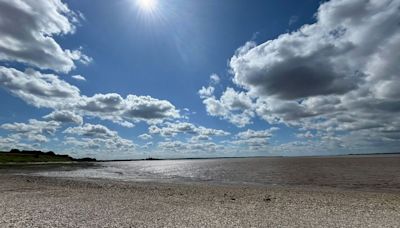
<point>354,172</point>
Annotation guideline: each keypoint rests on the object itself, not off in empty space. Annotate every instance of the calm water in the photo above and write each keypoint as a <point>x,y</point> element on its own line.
<point>357,172</point>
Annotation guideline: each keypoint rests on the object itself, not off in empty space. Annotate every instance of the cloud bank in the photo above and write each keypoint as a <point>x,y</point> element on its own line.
<point>338,75</point>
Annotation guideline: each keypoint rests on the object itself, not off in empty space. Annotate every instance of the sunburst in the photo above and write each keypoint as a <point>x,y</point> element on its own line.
<point>147,6</point>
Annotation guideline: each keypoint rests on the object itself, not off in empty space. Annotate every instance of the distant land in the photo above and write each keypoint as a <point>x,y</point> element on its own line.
<point>27,156</point>
<point>238,157</point>
<point>377,153</point>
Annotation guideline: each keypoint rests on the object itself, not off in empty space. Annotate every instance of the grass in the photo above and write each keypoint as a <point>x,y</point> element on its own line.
<point>28,158</point>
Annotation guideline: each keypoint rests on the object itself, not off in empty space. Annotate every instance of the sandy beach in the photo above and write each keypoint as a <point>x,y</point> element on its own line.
<point>30,201</point>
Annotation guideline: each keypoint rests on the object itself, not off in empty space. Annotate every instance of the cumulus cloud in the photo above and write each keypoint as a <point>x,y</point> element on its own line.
<point>286,70</point>
<point>148,108</point>
<point>40,90</point>
<point>98,137</point>
<point>200,138</point>
<point>14,141</point>
<point>145,136</point>
<point>64,117</point>
<point>236,107</point>
<point>132,108</point>
<point>180,148</point>
<point>34,130</point>
<point>28,29</point>
<point>206,92</point>
<point>92,130</point>
<point>252,134</point>
<point>339,74</point>
<point>118,145</point>
<point>254,140</point>
<point>305,135</point>
<point>102,103</point>
<point>172,129</point>
<point>49,91</point>
<point>8,143</point>
<point>33,126</point>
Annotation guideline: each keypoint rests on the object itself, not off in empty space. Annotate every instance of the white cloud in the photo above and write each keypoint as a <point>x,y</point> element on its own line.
<point>102,146</point>
<point>133,108</point>
<point>236,107</point>
<point>33,126</point>
<point>47,90</point>
<point>34,131</point>
<point>8,143</point>
<point>180,148</point>
<point>13,141</point>
<point>200,138</point>
<point>206,92</point>
<point>172,129</point>
<point>96,137</point>
<point>145,136</point>
<point>214,79</point>
<point>252,134</point>
<point>28,29</point>
<point>64,117</point>
<point>78,77</point>
<point>254,140</point>
<point>148,109</point>
<point>40,90</point>
<point>252,144</point>
<point>101,103</point>
<point>305,135</point>
<point>37,138</point>
<point>92,130</point>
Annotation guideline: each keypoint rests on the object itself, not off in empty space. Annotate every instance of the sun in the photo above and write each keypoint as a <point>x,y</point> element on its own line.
<point>147,5</point>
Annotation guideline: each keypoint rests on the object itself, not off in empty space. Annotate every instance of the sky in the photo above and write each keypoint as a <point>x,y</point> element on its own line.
<point>128,79</point>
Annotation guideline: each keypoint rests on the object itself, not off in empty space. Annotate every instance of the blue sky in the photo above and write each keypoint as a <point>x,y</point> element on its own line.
<point>185,78</point>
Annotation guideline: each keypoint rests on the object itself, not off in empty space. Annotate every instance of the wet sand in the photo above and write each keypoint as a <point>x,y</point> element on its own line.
<point>29,201</point>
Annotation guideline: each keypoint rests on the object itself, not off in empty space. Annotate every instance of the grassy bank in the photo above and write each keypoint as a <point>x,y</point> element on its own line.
<point>22,157</point>
<point>28,158</point>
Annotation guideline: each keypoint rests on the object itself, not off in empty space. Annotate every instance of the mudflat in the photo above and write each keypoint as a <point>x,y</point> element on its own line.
<point>34,201</point>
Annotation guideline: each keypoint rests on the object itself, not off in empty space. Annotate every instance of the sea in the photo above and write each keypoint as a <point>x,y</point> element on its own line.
<point>367,172</point>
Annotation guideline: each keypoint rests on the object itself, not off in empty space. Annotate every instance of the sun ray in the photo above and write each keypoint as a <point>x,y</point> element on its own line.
<point>147,6</point>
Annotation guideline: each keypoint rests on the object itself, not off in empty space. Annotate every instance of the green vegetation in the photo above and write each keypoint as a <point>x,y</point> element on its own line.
<point>16,156</point>
<point>21,158</point>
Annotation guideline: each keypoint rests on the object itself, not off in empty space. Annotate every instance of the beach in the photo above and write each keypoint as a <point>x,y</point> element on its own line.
<point>199,113</point>
<point>38,201</point>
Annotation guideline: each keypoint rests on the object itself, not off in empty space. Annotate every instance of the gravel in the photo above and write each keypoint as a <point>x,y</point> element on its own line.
<point>30,201</point>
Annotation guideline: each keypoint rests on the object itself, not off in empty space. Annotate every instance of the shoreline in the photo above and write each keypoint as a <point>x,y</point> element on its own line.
<point>58,202</point>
